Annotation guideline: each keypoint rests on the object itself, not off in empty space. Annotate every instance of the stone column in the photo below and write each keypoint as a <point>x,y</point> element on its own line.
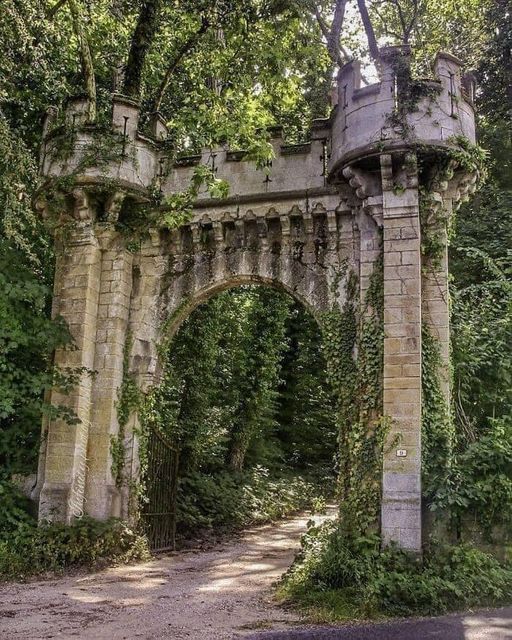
<point>401,499</point>
<point>102,494</point>
<point>76,292</point>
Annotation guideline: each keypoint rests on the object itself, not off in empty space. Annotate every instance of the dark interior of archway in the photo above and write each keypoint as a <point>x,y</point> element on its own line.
<point>245,401</point>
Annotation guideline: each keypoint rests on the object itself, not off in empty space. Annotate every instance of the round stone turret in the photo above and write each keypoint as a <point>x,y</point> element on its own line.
<point>400,112</point>
<point>91,153</point>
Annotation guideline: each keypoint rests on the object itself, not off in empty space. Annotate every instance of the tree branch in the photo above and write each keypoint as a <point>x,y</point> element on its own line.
<point>51,12</point>
<point>332,35</point>
<point>368,28</point>
<point>187,46</point>
<point>333,40</point>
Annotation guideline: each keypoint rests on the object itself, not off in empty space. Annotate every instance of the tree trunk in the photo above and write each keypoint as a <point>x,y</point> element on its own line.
<point>333,41</point>
<point>237,451</point>
<point>332,37</point>
<point>187,46</point>
<point>85,57</point>
<point>370,33</point>
<point>142,39</point>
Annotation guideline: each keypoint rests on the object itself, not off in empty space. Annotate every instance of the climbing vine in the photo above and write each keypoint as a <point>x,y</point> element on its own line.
<point>358,392</point>
<point>409,93</point>
<point>437,425</point>
<point>129,398</point>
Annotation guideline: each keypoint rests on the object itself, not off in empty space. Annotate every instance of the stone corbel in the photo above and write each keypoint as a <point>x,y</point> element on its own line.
<point>262,226</point>
<point>386,171</point>
<point>465,188</point>
<point>373,207</point>
<point>82,211</point>
<point>240,230</point>
<point>218,233</point>
<point>308,223</point>
<point>113,206</point>
<point>332,222</point>
<point>105,237</point>
<point>41,207</point>
<point>399,187</point>
<point>456,188</point>
<point>154,237</point>
<point>285,227</point>
<point>411,170</point>
<point>196,235</point>
<point>356,180</point>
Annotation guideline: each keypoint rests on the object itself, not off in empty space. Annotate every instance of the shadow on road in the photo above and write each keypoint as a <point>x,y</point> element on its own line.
<point>486,625</point>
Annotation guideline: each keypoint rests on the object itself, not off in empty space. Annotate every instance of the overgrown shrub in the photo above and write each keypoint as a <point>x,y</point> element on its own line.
<point>337,576</point>
<point>14,511</point>
<point>480,482</point>
<point>31,550</point>
<point>235,500</point>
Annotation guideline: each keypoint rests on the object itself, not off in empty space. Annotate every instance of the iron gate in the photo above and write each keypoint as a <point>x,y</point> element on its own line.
<point>161,480</point>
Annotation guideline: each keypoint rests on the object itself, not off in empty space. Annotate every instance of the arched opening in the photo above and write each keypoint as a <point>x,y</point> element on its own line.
<point>241,427</point>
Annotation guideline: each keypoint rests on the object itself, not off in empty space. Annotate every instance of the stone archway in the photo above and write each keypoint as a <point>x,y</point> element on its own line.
<point>328,211</point>
<point>178,315</point>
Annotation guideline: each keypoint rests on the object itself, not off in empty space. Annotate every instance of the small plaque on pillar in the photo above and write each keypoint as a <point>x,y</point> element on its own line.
<point>401,453</point>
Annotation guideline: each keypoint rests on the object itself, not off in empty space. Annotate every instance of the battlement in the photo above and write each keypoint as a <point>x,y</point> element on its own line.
<point>399,110</point>
<point>138,161</point>
<point>293,166</point>
<point>95,153</point>
<point>395,114</point>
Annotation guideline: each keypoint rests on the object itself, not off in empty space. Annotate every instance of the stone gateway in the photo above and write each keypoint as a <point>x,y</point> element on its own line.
<point>373,181</point>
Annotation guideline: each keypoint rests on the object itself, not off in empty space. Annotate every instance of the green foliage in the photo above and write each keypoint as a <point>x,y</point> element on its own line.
<point>306,430</point>
<point>437,430</point>
<point>338,576</point>
<point>231,501</point>
<point>129,398</point>
<point>480,483</point>
<point>56,547</point>
<point>468,157</point>
<point>482,338</point>
<point>15,512</point>
<point>234,401</point>
<point>27,341</point>
<point>221,398</point>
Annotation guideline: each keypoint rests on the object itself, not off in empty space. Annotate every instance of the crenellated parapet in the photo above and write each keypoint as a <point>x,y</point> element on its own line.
<point>120,156</point>
<point>94,154</point>
<point>396,115</point>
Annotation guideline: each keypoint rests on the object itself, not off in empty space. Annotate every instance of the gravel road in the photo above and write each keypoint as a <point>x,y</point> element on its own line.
<point>217,594</point>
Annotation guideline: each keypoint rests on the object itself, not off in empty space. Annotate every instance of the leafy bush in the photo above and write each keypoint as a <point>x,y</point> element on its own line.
<point>337,576</point>
<point>31,550</point>
<point>480,483</point>
<point>15,511</point>
<point>236,500</point>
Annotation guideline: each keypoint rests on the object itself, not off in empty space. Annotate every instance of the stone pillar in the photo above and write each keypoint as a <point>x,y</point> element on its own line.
<point>76,292</point>
<point>102,494</point>
<point>401,499</point>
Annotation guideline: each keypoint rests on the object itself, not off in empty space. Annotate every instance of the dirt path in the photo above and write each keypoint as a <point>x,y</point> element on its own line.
<point>218,594</point>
